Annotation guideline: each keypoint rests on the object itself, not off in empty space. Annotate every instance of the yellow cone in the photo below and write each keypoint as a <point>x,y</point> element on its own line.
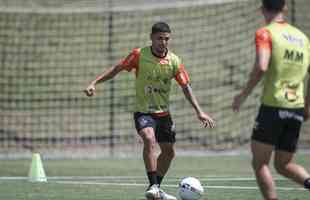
<point>36,172</point>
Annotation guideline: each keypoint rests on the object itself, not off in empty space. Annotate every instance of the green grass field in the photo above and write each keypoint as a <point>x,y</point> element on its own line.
<point>223,177</point>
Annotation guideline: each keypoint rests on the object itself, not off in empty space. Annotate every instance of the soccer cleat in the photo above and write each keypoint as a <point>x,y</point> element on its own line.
<point>307,184</point>
<point>164,196</point>
<point>152,192</point>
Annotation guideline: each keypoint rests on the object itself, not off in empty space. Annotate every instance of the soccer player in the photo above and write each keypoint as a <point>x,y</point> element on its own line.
<point>283,58</point>
<point>155,66</point>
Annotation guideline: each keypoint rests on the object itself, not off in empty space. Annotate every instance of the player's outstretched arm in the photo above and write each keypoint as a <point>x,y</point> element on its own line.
<point>263,55</point>
<point>240,98</point>
<point>260,67</point>
<point>106,75</point>
<point>202,116</point>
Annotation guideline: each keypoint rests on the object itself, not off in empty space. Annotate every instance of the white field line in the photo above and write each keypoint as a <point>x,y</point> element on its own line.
<point>78,180</point>
<point>207,179</point>
<point>174,186</point>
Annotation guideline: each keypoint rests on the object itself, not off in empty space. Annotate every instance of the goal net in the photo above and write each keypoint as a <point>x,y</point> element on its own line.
<point>51,50</point>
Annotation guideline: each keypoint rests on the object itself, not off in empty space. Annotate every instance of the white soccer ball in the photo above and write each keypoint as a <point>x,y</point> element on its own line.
<point>190,188</point>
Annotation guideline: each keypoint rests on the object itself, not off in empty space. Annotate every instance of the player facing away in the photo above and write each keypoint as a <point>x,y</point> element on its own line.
<point>155,66</point>
<point>282,58</point>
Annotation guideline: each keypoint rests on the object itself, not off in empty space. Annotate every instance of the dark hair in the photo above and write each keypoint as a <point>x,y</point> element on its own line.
<point>161,27</point>
<point>274,5</point>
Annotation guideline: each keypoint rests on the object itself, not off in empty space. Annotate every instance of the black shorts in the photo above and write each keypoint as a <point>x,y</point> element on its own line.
<point>279,127</point>
<point>163,126</point>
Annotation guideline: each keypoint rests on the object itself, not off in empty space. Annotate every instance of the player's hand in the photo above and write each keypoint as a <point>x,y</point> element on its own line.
<point>238,101</point>
<point>90,90</point>
<point>207,121</point>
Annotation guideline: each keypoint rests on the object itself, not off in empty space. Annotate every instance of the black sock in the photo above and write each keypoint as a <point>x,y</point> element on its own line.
<point>152,178</point>
<point>307,183</point>
<point>159,179</point>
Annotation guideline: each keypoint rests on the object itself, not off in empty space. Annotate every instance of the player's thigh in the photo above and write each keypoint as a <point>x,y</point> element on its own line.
<point>147,134</point>
<point>165,130</point>
<point>145,126</point>
<point>261,152</point>
<point>288,140</point>
<point>267,126</point>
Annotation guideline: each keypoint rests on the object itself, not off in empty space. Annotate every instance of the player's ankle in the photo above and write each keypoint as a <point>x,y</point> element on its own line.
<point>307,183</point>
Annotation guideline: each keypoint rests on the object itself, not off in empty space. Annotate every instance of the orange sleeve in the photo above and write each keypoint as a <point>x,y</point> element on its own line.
<point>263,40</point>
<point>131,61</point>
<point>182,76</point>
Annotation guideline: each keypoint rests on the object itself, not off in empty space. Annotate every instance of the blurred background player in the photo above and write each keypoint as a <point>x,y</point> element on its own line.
<point>282,57</point>
<point>154,67</point>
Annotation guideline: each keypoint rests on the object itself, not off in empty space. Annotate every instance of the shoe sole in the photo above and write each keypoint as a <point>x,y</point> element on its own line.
<point>150,196</point>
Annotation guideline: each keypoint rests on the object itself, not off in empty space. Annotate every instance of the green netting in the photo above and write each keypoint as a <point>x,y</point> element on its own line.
<point>50,51</point>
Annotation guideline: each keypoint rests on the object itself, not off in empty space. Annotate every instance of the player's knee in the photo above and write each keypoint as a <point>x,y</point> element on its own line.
<point>257,165</point>
<point>254,164</point>
<point>149,144</point>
